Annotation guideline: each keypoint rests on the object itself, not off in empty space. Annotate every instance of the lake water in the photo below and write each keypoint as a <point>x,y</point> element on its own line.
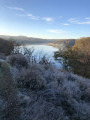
<point>41,50</point>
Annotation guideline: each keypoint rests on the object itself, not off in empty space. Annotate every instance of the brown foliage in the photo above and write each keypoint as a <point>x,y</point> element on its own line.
<point>77,58</point>
<point>83,45</point>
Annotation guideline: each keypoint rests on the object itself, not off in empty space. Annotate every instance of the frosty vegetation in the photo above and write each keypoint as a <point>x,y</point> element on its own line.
<point>43,92</point>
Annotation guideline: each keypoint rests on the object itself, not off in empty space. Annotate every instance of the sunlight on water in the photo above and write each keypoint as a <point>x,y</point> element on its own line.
<point>48,51</point>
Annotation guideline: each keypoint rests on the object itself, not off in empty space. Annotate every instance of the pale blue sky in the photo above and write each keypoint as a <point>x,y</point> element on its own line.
<point>45,18</point>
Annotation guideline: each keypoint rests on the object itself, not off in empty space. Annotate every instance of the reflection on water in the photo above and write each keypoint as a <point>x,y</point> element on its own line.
<point>41,50</point>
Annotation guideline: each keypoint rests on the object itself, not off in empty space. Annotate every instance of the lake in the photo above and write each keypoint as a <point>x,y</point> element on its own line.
<point>41,50</point>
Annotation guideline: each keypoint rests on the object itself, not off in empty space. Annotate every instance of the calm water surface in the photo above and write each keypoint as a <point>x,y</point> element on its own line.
<point>41,50</point>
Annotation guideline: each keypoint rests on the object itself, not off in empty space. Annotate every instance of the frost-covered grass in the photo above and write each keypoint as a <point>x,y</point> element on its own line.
<point>48,93</point>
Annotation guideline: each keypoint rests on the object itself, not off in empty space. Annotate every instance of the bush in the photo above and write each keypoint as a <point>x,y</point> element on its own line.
<point>77,58</point>
<point>8,93</point>
<point>18,60</point>
<point>52,94</point>
<point>6,47</point>
<point>64,100</point>
<point>47,94</point>
<point>31,78</point>
<point>3,106</point>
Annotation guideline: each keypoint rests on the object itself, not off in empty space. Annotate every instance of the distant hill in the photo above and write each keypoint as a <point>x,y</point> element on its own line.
<point>63,43</point>
<point>30,40</point>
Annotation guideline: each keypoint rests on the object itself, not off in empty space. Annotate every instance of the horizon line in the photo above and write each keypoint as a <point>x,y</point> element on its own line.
<point>37,37</point>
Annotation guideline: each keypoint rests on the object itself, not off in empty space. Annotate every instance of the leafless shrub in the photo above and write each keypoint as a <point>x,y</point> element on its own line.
<point>8,93</point>
<point>64,97</point>
<point>3,106</point>
<point>18,60</point>
<point>51,94</point>
<point>31,78</point>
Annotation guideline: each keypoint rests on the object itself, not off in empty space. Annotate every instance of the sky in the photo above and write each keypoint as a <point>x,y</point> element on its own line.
<point>55,19</point>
